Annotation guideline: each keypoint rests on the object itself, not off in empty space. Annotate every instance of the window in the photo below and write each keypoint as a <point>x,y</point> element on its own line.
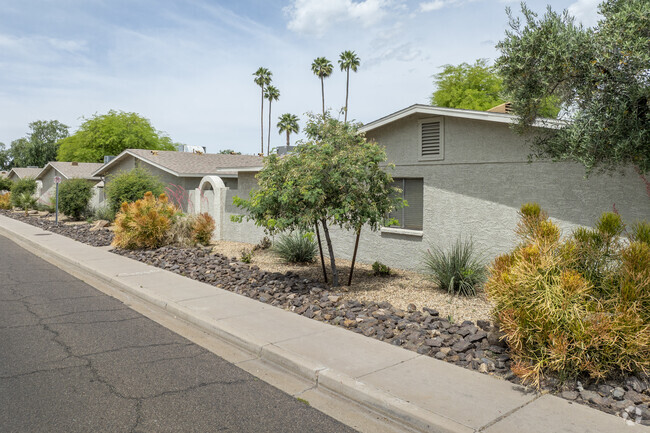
<point>410,217</point>
<point>230,182</point>
<point>432,134</point>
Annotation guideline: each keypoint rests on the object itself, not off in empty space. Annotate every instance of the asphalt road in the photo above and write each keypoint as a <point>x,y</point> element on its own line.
<point>73,359</point>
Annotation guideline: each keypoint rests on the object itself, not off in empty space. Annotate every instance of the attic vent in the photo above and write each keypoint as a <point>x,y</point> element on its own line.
<point>75,163</point>
<point>431,139</point>
<point>154,152</point>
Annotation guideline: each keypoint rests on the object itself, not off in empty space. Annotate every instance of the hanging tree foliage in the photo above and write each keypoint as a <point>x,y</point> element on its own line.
<point>334,178</point>
<point>600,76</point>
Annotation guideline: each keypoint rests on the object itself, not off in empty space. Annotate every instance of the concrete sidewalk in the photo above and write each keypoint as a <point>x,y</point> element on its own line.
<point>421,392</point>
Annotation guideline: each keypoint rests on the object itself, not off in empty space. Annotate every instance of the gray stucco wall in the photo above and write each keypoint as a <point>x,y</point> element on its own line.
<point>475,191</point>
<point>49,188</point>
<point>246,231</point>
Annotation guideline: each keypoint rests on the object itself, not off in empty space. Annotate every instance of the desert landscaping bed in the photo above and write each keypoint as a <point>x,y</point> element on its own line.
<point>384,308</point>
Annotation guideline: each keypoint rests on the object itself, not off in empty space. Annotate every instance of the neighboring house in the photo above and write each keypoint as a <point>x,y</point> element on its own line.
<point>18,173</point>
<point>183,172</point>
<point>70,170</point>
<point>465,174</point>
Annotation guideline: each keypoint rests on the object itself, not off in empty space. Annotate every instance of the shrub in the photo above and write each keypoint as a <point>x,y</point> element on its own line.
<point>25,201</point>
<point>203,226</point>
<point>246,256</point>
<point>381,269</point>
<point>27,185</point>
<point>5,201</point>
<point>460,271</point>
<point>296,247</point>
<point>5,184</point>
<point>145,223</point>
<point>180,232</point>
<point>74,197</point>
<point>574,306</point>
<point>104,213</point>
<point>129,186</point>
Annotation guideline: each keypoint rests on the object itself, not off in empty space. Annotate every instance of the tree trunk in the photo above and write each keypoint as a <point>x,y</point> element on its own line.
<point>335,272</point>
<point>268,143</point>
<point>287,138</point>
<point>320,249</point>
<point>354,256</point>
<point>322,91</point>
<point>347,88</point>
<point>262,123</point>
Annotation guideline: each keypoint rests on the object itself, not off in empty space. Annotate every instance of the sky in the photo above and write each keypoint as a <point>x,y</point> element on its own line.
<point>187,65</point>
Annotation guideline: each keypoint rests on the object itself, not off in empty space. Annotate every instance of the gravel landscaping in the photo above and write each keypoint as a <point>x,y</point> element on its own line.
<point>470,344</point>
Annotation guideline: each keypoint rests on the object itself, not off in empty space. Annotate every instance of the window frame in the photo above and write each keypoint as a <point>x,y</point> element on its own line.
<point>401,229</point>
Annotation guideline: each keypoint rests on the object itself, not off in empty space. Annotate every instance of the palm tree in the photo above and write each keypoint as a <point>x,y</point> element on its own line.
<point>323,69</point>
<point>348,61</point>
<point>262,78</point>
<point>272,94</point>
<point>288,123</point>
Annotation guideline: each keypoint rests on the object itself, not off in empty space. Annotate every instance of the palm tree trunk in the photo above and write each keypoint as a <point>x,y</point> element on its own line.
<point>354,256</point>
<point>262,123</point>
<point>322,90</point>
<point>268,143</point>
<point>347,88</point>
<point>287,138</point>
<point>335,272</point>
<point>320,249</point>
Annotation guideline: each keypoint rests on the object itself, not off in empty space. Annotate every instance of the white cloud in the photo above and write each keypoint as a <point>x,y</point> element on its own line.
<point>432,5</point>
<point>585,11</point>
<point>316,16</point>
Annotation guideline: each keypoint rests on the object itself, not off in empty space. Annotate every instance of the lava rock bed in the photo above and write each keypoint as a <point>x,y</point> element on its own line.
<point>79,232</point>
<point>477,346</point>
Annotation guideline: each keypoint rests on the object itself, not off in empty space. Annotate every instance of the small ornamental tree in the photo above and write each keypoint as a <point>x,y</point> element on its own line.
<point>74,197</point>
<point>333,178</point>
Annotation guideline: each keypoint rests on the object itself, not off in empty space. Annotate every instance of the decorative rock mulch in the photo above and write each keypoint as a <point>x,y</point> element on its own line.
<point>475,346</point>
<point>79,232</point>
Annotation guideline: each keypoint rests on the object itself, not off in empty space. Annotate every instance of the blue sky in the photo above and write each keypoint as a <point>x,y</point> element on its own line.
<point>187,65</point>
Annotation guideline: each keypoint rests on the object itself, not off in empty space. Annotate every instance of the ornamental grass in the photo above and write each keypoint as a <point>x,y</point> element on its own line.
<point>144,223</point>
<point>5,201</point>
<point>574,306</point>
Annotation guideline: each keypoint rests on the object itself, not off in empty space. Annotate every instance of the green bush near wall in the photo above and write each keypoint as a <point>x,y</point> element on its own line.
<point>129,186</point>
<point>74,197</point>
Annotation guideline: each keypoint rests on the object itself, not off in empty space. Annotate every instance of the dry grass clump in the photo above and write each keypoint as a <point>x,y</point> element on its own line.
<point>574,306</point>
<point>5,201</point>
<point>203,226</point>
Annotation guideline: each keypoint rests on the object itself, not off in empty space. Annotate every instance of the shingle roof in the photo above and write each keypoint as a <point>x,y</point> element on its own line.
<point>23,172</point>
<point>83,170</point>
<point>186,164</point>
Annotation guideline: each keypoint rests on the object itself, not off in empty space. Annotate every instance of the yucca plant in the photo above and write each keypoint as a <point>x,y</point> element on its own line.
<point>459,271</point>
<point>296,247</point>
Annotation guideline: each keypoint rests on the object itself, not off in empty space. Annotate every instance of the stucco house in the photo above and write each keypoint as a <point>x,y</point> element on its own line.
<point>70,170</point>
<point>183,172</point>
<point>464,174</point>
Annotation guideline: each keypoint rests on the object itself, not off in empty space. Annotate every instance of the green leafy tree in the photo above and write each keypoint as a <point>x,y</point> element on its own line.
<point>334,178</point>
<point>472,87</point>
<point>74,197</point>
<point>129,186</point>
<point>5,184</point>
<point>5,158</point>
<point>228,152</point>
<point>348,61</point>
<point>288,123</point>
<point>38,148</point>
<point>322,68</point>
<point>272,94</point>
<point>598,75</point>
<point>262,79</point>
<point>110,134</point>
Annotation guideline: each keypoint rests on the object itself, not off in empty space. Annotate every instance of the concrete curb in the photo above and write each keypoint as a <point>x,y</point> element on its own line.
<point>335,382</point>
